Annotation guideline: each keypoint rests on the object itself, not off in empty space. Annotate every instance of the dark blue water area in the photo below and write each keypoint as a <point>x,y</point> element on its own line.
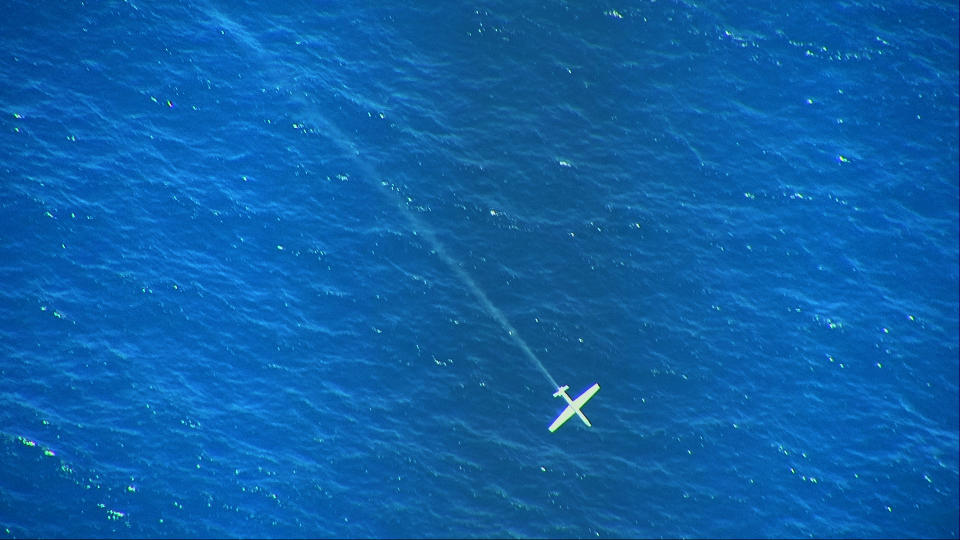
<point>244,251</point>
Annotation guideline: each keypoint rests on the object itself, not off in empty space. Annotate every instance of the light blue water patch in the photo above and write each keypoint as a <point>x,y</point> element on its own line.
<point>234,236</point>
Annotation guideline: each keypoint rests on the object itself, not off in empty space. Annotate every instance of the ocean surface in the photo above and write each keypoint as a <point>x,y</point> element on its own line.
<point>311,269</point>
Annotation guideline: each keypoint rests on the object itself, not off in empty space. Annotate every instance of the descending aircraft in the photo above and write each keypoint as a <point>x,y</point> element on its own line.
<point>573,405</point>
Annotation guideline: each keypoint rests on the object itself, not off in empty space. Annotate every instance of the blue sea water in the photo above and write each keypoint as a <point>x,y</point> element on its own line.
<point>227,306</point>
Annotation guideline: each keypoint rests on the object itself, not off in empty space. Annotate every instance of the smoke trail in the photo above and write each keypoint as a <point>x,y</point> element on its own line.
<point>336,136</point>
